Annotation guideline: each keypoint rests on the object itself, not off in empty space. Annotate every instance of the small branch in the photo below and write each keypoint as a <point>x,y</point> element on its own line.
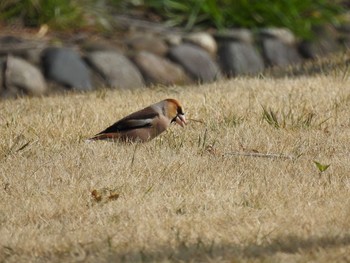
<point>263,155</point>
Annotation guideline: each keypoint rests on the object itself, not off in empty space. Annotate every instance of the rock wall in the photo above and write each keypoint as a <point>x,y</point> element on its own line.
<point>38,66</point>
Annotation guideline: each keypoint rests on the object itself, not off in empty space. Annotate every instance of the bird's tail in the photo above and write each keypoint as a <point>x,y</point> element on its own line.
<point>105,136</point>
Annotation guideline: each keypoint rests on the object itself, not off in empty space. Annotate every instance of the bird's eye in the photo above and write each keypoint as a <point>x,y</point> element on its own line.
<point>180,111</point>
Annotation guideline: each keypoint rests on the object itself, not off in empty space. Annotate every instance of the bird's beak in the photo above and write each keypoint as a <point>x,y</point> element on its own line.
<point>181,120</point>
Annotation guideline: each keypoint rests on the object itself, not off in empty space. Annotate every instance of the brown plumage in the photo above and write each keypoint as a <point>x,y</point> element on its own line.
<point>145,124</point>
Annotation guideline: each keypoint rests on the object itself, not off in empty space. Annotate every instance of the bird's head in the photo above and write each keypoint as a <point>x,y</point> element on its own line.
<point>175,112</point>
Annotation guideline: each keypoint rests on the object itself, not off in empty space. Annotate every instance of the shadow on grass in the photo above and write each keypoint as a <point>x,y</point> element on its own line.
<point>202,252</point>
<point>198,252</point>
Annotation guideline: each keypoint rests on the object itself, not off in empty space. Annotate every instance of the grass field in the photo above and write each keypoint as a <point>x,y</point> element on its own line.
<point>238,184</point>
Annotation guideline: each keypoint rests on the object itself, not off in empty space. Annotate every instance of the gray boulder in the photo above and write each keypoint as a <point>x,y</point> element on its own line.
<point>66,67</point>
<point>204,40</point>
<point>279,47</point>
<point>344,35</point>
<point>196,62</point>
<point>116,69</point>
<point>324,43</point>
<point>159,70</point>
<point>21,77</point>
<point>237,55</point>
<point>2,70</point>
<point>148,43</point>
<point>277,53</point>
<point>238,58</point>
<point>240,34</point>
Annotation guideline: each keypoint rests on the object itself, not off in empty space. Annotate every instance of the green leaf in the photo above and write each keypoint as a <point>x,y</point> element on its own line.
<point>321,167</point>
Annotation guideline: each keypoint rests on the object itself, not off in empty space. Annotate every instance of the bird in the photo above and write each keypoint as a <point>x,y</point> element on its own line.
<point>145,124</point>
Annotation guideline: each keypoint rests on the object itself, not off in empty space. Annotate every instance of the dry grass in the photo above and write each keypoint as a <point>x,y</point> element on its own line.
<point>185,196</point>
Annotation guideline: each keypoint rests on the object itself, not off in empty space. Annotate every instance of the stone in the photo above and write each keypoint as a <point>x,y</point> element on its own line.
<point>22,77</point>
<point>204,40</point>
<point>159,70</point>
<point>97,45</point>
<point>66,67</point>
<point>239,58</point>
<point>10,44</point>
<point>324,43</point>
<point>34,56</point>
<point>344,35</point>
<point>284,35</point>
<point>173,39</point>
<point>240,34</point>
<point>277,53</point>
<point>148,43</point>
<point>279,47</point>
<point>2,68</point>
<point>10,40</point>
<point>27,49</point>
<point>196,62</point>
<point>116,69</point>
<point>237,54</point>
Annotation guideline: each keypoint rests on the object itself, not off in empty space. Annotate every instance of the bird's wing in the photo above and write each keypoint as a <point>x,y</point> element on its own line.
<point>140,119</point>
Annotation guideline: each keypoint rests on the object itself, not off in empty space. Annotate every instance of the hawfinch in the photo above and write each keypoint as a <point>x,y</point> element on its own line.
<point>145,124</point>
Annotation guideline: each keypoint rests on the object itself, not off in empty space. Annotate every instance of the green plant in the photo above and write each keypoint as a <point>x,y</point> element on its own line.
<point>232,120</point>
<point>321,167</point>
<point>60,14</point>
<point>297,15</point>
<point>290,118</point>
<point>271,117</point>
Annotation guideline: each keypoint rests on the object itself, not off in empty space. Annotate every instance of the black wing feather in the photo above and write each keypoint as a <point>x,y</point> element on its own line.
<point>130,122</point>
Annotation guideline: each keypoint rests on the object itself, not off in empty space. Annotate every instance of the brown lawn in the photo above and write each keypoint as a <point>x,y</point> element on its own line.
<point>238,184</point>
